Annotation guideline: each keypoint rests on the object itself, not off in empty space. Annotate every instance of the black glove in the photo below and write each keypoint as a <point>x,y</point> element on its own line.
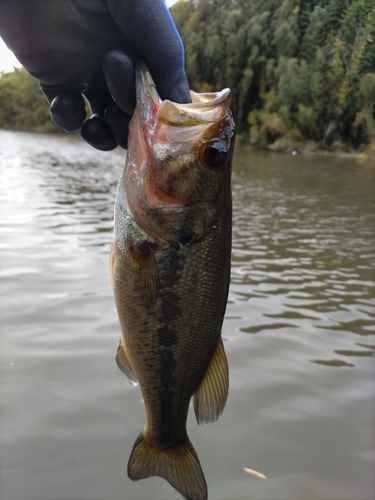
<point>89,47</point>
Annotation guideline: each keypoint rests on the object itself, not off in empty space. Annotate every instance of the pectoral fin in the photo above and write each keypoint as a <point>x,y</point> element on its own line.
<point>123,362</point>
<point>211,395</point>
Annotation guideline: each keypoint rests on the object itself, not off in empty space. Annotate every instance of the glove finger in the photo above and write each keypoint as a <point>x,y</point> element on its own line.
<point>118,123</point>
<point>119,73</point>
<point>98,97</point>
<point>67,110</point>
<point>96,132</point>
<point>174,87</point>
<point>150,29</point>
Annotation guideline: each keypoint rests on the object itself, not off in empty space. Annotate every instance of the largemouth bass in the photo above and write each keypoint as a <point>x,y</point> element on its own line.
<point>170,269</point>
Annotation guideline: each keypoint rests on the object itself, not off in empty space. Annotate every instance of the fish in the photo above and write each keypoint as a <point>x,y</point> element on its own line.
<point>170,272</point>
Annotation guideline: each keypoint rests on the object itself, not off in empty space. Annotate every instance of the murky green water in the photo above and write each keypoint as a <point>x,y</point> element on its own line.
<point>299,332</point>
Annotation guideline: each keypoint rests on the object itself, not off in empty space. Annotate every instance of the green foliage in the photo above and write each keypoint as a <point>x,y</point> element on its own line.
<point>22,104</point>
<point>298,69</point>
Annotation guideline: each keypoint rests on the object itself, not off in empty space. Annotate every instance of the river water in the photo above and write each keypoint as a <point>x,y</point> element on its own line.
<point>299,332</point>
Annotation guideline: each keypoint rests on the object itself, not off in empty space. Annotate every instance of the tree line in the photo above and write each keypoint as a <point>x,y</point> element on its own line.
<point>22,104</point>
<point>299,70</point>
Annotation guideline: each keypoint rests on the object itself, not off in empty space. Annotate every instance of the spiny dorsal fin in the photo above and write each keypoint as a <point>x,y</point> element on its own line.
<point>123,362</point>
<point>211,395</point>
<point>179,466</point>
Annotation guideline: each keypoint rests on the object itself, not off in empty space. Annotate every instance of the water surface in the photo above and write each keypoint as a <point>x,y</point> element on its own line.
<point>299,332</point>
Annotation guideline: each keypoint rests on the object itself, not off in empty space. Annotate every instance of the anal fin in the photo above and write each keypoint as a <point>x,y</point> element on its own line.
<point>123,362</point>
<point>211,395</point>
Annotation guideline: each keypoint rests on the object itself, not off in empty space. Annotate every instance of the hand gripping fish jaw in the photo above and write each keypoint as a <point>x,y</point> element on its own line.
<point>170,270</point>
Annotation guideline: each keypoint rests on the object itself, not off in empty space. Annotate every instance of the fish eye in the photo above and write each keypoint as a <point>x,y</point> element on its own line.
<point>213,154</point>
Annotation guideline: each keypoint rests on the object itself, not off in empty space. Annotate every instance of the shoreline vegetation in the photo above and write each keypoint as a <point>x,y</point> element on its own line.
<point>302,73</point>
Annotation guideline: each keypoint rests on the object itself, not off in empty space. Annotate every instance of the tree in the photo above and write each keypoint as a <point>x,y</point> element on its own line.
<point>301,69</point>
<point>22,104</point>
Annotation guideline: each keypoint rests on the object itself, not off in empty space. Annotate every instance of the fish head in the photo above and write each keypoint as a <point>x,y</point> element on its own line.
<point>178,168</point>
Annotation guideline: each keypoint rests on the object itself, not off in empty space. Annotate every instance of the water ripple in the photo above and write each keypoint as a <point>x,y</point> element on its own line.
<point>304,253</point>
<point>299,330</point>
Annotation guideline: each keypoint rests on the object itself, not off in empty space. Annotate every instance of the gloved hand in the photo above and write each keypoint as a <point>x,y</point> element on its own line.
<point>89,47</point>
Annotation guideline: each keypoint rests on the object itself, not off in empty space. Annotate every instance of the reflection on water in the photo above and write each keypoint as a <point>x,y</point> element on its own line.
<point>299,332</point>
<point>304,239</point>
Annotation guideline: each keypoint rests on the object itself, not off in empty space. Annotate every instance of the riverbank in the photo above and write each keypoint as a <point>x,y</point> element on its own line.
<point>366,153</point>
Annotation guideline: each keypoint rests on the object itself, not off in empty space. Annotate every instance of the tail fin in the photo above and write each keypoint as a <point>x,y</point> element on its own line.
<point>179,466</point>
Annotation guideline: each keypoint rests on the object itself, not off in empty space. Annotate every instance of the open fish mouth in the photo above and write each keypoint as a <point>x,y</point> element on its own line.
<point>176,158</point>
